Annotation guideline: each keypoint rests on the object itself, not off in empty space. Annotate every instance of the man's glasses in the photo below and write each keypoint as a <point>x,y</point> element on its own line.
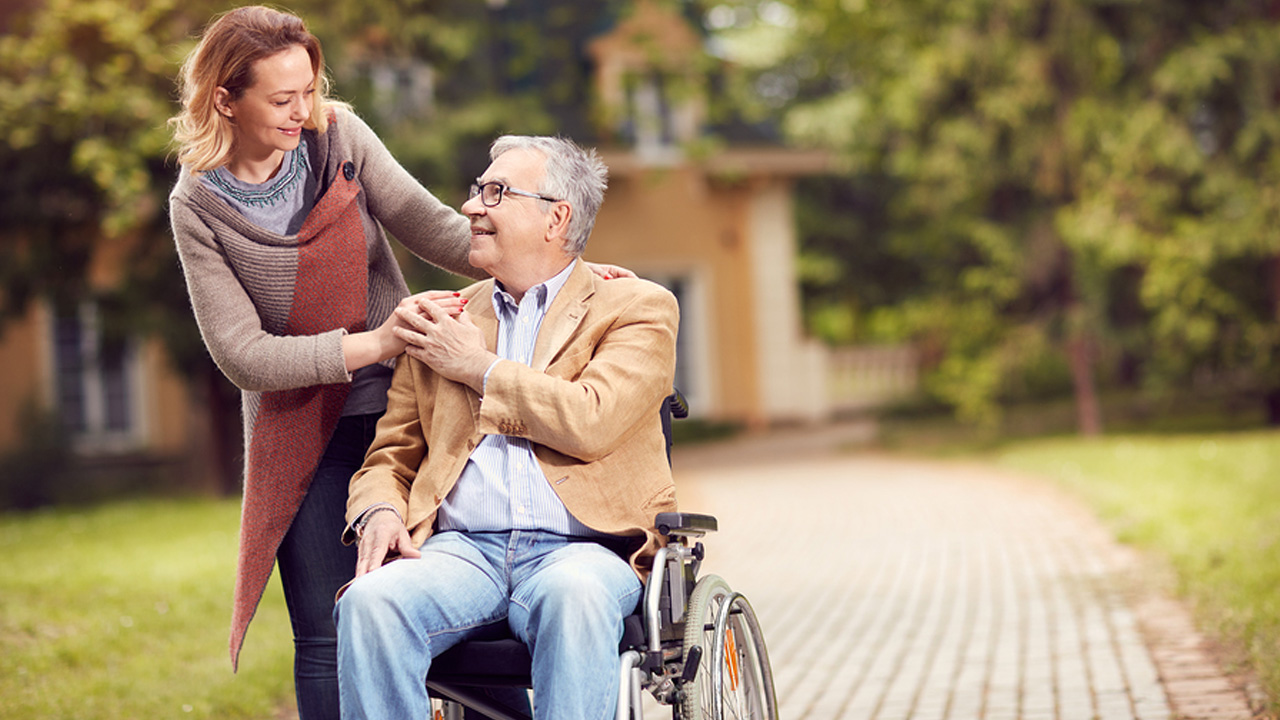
<point>491,193</point>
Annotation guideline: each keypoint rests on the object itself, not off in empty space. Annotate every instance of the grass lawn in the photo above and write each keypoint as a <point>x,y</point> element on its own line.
<point>122,611</point>
<point>1209,503</point>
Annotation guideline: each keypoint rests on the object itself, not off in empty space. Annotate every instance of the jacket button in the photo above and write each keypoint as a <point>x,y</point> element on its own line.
<point>349,170</point>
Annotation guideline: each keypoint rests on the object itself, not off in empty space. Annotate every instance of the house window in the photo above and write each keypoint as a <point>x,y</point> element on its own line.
<point>95,382</point>
<point>648,123</point>
<point>692,375</point>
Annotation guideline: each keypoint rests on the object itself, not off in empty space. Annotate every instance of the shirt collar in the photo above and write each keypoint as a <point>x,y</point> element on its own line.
<point>544,292</point>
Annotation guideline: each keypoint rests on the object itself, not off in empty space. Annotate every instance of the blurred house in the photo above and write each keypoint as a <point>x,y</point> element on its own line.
<point>715,223</point>
<point>716,227</point>
<point>85,413</point>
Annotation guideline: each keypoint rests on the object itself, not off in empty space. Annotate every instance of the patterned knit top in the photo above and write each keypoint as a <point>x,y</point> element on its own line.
<point>279,204</point>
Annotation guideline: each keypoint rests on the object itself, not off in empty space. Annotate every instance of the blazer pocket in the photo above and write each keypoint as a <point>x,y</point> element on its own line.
<point>569,362</point>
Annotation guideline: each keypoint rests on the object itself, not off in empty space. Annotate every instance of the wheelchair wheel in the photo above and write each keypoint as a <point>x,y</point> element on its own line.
<point>734,679</point>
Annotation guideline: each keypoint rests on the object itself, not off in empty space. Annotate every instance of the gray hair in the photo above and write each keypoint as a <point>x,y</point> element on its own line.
<point>573,173</point>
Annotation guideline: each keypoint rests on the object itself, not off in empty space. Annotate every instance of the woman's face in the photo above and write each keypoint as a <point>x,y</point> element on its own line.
<point>270,114</point>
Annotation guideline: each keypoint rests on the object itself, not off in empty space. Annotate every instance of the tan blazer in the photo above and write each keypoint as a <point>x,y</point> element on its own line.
<point>603,362</point>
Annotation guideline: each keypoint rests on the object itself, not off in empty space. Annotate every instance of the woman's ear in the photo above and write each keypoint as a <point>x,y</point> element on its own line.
<point>222,102</point>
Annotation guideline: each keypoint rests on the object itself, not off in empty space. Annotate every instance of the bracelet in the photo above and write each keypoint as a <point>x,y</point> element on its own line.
<point>364,519</point>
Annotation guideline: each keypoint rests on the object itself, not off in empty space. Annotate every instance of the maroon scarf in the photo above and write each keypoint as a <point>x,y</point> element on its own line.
<point>294,426</point>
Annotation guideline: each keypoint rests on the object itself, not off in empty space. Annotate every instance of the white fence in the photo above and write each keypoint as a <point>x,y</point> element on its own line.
<point>865,377</point>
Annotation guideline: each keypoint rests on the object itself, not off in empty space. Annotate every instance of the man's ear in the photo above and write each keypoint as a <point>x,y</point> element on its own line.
<point>221,102</point>
<point>558,221</point>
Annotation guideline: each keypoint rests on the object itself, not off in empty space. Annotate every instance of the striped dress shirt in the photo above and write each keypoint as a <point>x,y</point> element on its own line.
<point>502,487</point>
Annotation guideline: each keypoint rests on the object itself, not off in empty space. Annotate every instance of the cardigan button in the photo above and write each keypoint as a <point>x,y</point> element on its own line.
<point>349,170</point>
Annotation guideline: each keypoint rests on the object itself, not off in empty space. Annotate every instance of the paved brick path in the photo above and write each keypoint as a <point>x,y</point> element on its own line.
<point>892,589</point>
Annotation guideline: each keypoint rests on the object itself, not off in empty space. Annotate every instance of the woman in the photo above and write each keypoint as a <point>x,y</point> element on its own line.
<point>278,216</point>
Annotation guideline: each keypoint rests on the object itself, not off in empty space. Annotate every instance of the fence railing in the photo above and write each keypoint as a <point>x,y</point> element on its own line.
<point>866,377</point>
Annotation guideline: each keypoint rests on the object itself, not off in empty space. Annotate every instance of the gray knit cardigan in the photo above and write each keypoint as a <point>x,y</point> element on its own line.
<point>241,278</point>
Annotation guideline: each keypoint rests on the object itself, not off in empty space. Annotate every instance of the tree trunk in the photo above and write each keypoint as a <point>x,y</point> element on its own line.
<point>1088,411</point>
<point>1272,400</point>
<point>1272,396</point>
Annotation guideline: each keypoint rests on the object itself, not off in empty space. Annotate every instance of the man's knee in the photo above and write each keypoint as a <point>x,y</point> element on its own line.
<point>366,602</point>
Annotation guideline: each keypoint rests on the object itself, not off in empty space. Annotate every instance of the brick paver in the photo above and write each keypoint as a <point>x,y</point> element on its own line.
<point>892,589</point>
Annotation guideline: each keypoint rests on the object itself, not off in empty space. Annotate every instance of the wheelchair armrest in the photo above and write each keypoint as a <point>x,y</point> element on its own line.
<point>685,524</point>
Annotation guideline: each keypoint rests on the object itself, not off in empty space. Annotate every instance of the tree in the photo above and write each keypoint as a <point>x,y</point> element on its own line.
<point>1080,179</point>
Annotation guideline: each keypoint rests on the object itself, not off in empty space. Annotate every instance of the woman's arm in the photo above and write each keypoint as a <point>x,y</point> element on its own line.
<point>233,331</point>
<point>426,226</point>
<point>231,328</point>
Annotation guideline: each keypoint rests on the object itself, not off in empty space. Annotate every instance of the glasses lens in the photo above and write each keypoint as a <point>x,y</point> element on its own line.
<point>492,193</point>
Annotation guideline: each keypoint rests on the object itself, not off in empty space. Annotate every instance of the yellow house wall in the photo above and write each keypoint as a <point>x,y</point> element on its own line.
<point>672,220</point>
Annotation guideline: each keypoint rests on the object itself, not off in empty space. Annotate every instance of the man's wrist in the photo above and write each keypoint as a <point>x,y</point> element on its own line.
<point>365,517</point>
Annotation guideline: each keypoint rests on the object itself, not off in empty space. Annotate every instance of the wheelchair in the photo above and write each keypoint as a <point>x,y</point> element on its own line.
<point>693,643</point>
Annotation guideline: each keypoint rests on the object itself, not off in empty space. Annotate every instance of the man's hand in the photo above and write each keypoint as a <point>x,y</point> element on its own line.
<point>384,534</point>
<point>453,347</point>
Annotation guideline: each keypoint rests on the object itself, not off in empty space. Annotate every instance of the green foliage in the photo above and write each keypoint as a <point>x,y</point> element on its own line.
<point>1208,504</point>
<point>1080,174</point>
<point>122,612</point>
<point>91,79</point>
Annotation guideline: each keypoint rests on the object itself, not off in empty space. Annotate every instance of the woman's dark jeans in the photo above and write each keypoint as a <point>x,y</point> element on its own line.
<point>314,564</point>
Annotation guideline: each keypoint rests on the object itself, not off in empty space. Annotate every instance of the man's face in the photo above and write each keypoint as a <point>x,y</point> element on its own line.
<point>505,236</point>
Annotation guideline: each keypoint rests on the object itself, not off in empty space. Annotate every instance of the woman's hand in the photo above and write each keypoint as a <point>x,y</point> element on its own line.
<point>609,272</point>
<point>372,346</point>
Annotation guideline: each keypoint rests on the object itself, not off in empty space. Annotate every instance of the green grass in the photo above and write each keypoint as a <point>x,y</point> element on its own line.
<point>122,611</point>
<point>1209,503</point>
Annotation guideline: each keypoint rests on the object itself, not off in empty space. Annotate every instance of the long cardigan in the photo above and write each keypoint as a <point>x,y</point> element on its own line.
<point>248,288</point>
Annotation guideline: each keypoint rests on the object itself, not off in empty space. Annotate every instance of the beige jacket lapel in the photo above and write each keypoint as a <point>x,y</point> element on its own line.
<point>564,316</point>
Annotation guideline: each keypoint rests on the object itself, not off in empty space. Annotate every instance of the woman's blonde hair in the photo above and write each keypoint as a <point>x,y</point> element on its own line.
<point>230,46</point>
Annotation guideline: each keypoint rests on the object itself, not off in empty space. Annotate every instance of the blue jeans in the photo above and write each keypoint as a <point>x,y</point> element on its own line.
<point>564,598</point>
<point>314,563</point>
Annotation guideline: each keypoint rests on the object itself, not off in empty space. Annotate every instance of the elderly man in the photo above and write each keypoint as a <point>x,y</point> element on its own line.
<point>521,460</point>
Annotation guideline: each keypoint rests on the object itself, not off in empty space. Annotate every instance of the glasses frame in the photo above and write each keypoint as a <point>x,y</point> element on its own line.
<point>477,190</point>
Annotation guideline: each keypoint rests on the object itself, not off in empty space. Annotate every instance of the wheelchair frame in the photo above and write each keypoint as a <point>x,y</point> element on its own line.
<point>693,643</point>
